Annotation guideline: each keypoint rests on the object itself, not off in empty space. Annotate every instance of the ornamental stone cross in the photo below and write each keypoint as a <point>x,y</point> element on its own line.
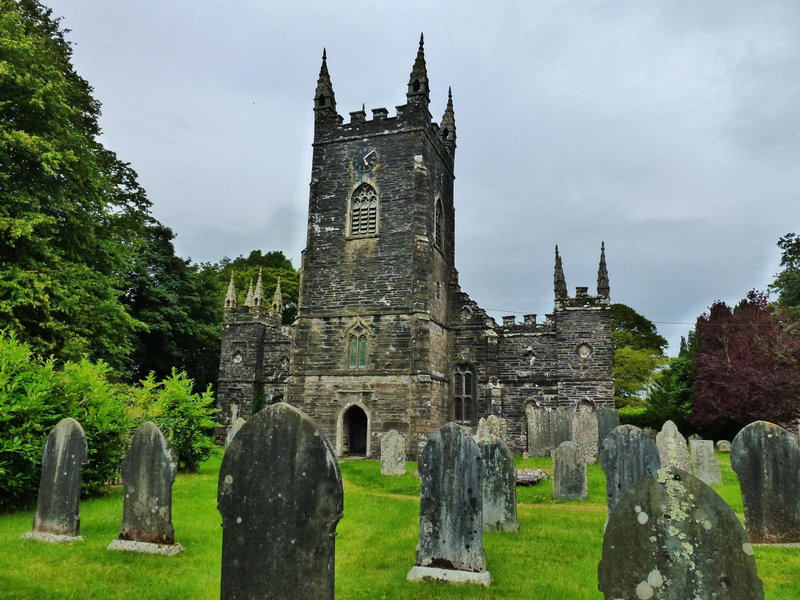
<point>64,455</point>
<point>280,497</point>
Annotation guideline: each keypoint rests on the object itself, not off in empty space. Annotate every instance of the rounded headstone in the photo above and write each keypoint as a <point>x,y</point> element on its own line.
<point>704,462</point>
<point>672,447</point>
<point>585,432</point>
<point>627,455</point>
<point>569,473</point>
<point>766,458</point>
<point>499,485</point>
<point>723,446</point>
<point>393,453</point>
<point>671,537</point>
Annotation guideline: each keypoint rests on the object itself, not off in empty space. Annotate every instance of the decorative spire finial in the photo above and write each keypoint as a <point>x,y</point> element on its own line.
<point>230,297</point>
<point>248,300</point>
<point>258,295</point>
<point>559,283</point>
<point>448,127</point>
<point>418,85</point>
<point>277,299</point>
<point>324,98</point>
<point>603,286</point>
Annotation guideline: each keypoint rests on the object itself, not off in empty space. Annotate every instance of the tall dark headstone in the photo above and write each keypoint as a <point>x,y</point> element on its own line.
<point>64,455</point>
<point>569,473</point>
<point>548,427</point>
<point>499,484</point>
<point>280,497</point>
<point>766,458</point>
<point>450,544</point>
<point>585,432</point>
<point>627,455</point>
<point>671,537</point>
<point>607,421</point>
<point>148,472</point>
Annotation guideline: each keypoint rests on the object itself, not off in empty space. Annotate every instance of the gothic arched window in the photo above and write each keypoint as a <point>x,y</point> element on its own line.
<point>464,393</point>
<point>357,348</point>
<point>438,225</point>
<point>364,211</point>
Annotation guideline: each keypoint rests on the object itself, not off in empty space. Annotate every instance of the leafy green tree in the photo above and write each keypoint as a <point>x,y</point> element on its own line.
<point>671,396</point>
<point>787,282</point>
<point>638,353</point>
<point>629,328</point>
<point>68,207</point>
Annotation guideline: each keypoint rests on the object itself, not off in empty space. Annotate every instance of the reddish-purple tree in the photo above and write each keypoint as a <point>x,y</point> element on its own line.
<point>747,366</point>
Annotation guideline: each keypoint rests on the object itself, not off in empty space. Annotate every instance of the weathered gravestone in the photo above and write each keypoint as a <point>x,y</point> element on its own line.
<point>569,473</point>
<point>671,537</point>
<point>607,421</point>
<point>723,446</point>
<point>672,447</point>
<point>499,485</point>
<point>627,455</point>
<point>450,544</point>
<point>766,458</point>
<point>695,436</point>
<point>56,518</point>
<point>704,462</point>
<point>237,425</point>
<point>491,425</point>
<point>393,453</point>
<point>547,428</point>
<point>651,432</point>
<point>148,472</point>
<point>585,432</point>
<point>280,497</point>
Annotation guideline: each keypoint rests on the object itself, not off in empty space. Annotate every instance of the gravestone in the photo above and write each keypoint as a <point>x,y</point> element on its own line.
<point>547,428</point>
<point>148,472</point>
<point>704,462</point>
<point>280,497</point>
<point>450,544</point>
<point>569,473</point>
<point>671,537</point>
<point>651,432</point>
<point>695,436</point>
<point>585,432</point>
<point>237,425</point>
<point>672,447</point>
<point>627,455</point>
<point>499,485</point>
<point>723,446</point>
<point>64,455</point>
<point>393,453</point>
<point>491,425</point>
<point>607,421</point>
<point>766,458</point>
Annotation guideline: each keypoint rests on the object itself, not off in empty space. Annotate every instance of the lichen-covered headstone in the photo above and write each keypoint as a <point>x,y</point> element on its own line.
<point>584,432</point>
<point>450,544</point>
<point>235,427</point>
<point>671,537</point>
<point>280,497</point>
<point>723,446</point>
<point>766,458</point>
<point>607,421</point>
<point>672,447</point>
<point>704,462</point>
<point>569,473</point>
<point>148,472</point>
<point>393,453</point>
<point>499,485</point>
<point>491,425</point>
<point>64,455</point>
<point>547,428</point>
<point>627,455</point>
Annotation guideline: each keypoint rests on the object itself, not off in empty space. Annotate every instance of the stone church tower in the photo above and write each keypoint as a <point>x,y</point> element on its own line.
<point>384,337</point>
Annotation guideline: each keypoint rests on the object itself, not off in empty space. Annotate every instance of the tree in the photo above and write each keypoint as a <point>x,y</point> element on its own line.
<point>671,397</point>
<point>629,328</point>
<point>69,208</point>
<point>747,362</point>
<point>787,282</point>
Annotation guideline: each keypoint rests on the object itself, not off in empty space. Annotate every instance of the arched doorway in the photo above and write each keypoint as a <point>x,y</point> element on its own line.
<point>354,432</point>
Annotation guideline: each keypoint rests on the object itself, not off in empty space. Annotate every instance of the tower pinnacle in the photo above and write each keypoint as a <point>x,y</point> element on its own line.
<point>277,299</point>
<point>603,286</point>
<point>230,297</point>
<point>248,300</point>
<point>324,98</point>
<point>258,295</point>
<point>559,283</point>
<point>418,86</point>
<point>448,127</point>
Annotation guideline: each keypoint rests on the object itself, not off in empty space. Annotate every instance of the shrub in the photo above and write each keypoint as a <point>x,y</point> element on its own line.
<point>634,415</point>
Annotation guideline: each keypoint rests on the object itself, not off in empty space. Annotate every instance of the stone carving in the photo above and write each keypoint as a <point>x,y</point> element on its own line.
<point>280,497</point>
<point>393,453</point>
<point>671,537</point>
<point>237,425</point>
<point>450,544</point>
<point>585,432</point>
<point>148,472</point>
<point>498,485</point>
<point>64,455</point>
<point>547,428</point>
<point>704,462</point>
<point>492,425</point>
<point>627,455</point>
<point>672,447</point>
<point>569,473</point>
<point>607,421</point>
<point>723,446</point>
<point>766,458</point>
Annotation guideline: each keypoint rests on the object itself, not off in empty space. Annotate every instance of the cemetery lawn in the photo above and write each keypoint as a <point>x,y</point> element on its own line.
<point>554,557</point>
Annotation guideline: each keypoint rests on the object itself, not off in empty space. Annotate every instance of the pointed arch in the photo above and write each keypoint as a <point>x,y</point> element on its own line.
<point>357,337</point>
<point>364,211</point>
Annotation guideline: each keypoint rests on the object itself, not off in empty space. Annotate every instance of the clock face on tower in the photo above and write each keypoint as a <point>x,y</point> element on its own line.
<point>365,159</point>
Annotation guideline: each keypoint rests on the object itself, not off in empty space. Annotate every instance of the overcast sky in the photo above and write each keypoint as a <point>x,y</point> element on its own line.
<point>669,129</point>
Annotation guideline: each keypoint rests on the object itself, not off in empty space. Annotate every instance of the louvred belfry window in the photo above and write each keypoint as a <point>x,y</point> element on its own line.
<point>364,211</point>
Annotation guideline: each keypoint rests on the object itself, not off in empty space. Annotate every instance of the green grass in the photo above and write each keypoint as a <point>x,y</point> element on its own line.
<point>554,556</point>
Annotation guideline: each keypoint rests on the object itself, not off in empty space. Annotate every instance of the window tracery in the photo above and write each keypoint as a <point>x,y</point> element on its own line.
<point>364,211</point>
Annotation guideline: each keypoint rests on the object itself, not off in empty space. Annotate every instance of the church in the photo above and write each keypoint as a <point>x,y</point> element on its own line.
<point>384,337</point>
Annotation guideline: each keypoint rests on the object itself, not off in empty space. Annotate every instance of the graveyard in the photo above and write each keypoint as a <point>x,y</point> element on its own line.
<point>554,555</point>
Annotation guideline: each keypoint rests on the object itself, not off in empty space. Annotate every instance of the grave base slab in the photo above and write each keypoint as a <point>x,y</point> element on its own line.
<point>146,547</point>
<point>418,573</point>
<point>51,538</point>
